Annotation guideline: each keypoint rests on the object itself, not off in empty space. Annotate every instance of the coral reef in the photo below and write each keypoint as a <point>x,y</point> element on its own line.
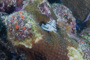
<point>85,35</point>
<point>65,19</point>
<point>11,6</point>
<point>43,31</point>
<point>21,27</point>
<point>80,10</point>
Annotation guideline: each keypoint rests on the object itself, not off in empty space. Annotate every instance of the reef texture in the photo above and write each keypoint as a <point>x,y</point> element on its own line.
<point>44,31</point>
<point>10,6</point>
<point>65,19</point>
<point>79,8</point>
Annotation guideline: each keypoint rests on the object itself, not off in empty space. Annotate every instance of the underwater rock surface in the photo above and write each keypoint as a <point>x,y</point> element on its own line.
<point>43,31</point>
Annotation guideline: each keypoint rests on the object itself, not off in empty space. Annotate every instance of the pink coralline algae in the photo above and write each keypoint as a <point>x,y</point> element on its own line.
<point>10,6</point>
<point>65,18</point>
<point>45,8</point>
<point>7,6</point>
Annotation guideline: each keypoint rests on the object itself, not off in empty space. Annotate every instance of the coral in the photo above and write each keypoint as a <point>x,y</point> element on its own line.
<point>75,54</point>
<point>83,45</point>
<point>85,35</point>
<point>44,8</point>
<point>51,47</point>
<point>21,27</point>
<point>31,32</point>
<point>65,18</point>
<point>11,6</point>
<point>7,6</point>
